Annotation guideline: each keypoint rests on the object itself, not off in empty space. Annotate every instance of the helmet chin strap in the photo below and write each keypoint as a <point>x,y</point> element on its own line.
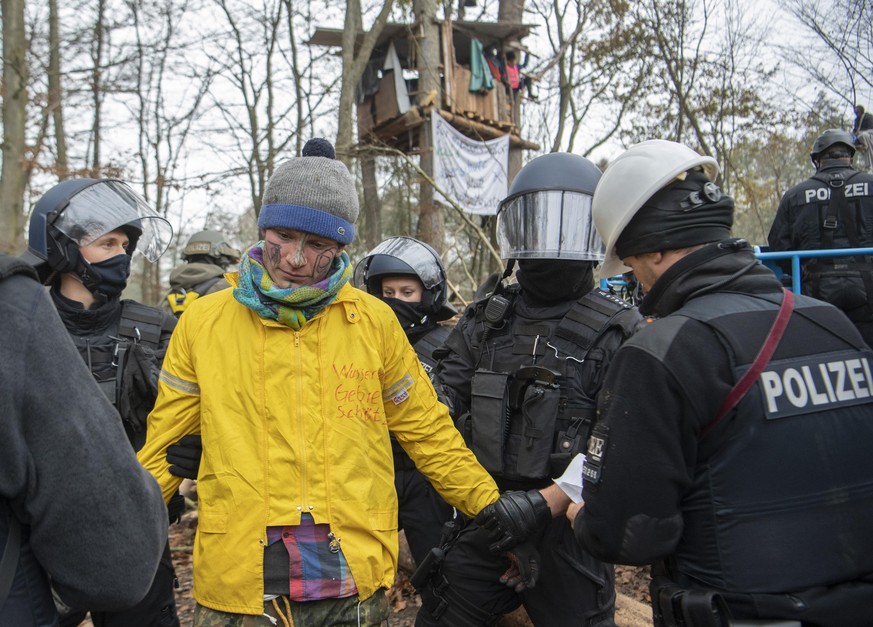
<point>510,266</point>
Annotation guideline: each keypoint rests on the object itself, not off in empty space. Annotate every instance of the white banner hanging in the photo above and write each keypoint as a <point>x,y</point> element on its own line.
<point>473,173</point>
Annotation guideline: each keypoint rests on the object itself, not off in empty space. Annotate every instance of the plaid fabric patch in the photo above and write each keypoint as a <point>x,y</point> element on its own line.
<point>317,568</point>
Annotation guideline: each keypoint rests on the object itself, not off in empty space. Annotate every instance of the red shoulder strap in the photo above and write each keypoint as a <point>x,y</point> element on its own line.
<point>769,347</point>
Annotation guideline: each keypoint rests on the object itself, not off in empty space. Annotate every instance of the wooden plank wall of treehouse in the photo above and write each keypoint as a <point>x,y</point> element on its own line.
<point>491,107</point>
<point>389,118</point>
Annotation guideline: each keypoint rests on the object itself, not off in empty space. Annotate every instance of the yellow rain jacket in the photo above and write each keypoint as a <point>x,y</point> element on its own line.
<point>298,421</point>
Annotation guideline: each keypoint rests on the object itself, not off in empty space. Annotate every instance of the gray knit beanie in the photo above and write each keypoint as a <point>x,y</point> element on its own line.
<point>313,194</point>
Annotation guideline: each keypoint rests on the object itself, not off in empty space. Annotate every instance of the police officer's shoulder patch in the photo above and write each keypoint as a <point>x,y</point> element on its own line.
<point>592,470</point>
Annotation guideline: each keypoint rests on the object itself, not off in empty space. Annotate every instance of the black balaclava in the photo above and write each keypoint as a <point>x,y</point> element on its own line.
<point>412,316</point>
<point>687,212</point>
<point>551,281</point>
<point>110,275</point>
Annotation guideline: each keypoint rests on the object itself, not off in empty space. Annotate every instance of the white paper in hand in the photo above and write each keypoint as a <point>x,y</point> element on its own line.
<point>571,481</point>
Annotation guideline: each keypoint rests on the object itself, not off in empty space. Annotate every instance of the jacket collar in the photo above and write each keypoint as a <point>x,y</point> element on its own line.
<point>81,321</point>
<point>726,266</point>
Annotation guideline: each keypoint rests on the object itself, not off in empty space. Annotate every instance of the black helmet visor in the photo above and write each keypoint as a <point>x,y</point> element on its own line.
<point>549,224</point>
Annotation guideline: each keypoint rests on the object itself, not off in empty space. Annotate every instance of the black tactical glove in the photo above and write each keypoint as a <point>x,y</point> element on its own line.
<point>524,567</point>
<point>513,518</point>
<point>184,456</point>
<point>175,508</point>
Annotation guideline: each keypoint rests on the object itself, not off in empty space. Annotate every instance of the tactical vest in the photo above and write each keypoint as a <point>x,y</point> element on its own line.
<point>845,282</point>
<point>532,395</point>
<point>427,344</point>
<point>179,301</point>
<point>783,500</point>
<point>106,355</point>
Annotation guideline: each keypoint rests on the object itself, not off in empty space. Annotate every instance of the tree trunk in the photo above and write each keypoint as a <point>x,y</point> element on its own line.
<point>97,88</point>
<point>354,61</point>
<point>372,204</point>
<point>13,179</point>
<point>513,11</point>
<point>55,95</point>
<point>431,222</point>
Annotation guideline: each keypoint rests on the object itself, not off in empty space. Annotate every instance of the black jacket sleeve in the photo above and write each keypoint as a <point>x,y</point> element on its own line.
<point>454,372</point>
<point>96,518</point>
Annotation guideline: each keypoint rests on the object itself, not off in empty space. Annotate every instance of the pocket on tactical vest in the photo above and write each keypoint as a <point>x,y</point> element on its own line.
<point>489,418</point>
<point>539,412</point>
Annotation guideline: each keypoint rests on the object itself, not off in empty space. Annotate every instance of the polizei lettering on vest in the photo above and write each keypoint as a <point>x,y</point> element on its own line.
<point>812,384</point>
<point>824,193</point>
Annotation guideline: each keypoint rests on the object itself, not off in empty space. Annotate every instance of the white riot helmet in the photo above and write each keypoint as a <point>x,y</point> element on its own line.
<point>630,181</point>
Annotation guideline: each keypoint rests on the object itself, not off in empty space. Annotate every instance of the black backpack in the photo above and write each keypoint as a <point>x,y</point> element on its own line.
<point>845,282</point>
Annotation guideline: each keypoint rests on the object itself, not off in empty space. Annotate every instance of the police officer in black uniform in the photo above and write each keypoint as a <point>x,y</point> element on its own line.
<point>520,372</point>
<point>409,276</point>
<point>734,432</point>
<point>832,209</point>
<point>207,256</point>
<point>82,235</point>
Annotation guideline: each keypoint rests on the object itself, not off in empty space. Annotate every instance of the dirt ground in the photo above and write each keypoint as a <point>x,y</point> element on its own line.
<point>632,586</point>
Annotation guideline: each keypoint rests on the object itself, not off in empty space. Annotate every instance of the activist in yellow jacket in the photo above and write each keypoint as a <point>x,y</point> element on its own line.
<point>298,421</point>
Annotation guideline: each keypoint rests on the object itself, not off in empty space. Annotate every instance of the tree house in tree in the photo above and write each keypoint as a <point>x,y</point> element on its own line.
<point>392,107</point>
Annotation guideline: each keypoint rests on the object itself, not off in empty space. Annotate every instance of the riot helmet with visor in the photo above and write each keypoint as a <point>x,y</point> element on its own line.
<point>76,213</point>
<point>547,212</point>
<point>406,256</point>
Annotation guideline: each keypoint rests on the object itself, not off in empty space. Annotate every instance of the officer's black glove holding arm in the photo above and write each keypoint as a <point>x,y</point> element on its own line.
<point>184,456</point>
<point>513,518</point>
<point>524,567</point>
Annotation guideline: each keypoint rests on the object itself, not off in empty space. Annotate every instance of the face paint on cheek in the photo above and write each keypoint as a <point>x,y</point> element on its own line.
<point>323,264</point>
<point>274,252</point>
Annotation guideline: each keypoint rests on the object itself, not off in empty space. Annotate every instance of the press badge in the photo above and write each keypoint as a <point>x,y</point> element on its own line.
<point>593,467</point>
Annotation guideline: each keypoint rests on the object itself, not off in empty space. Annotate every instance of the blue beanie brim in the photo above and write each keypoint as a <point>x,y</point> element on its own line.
<point>308,220</point>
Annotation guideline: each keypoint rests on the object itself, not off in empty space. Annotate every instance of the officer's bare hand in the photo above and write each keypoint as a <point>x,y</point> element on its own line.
<point>572,510</point>
<point>513,518</point>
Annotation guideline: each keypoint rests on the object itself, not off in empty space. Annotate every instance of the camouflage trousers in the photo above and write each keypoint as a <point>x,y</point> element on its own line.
<point>280,612</point>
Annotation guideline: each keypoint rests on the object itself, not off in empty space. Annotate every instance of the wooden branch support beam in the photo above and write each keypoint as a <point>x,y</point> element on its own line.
<point>485,131</point>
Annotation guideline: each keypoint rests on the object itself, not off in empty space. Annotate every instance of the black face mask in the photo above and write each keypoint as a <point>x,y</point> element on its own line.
<point>550,281</point>
<point>110,276</point>
<point>412,316</point>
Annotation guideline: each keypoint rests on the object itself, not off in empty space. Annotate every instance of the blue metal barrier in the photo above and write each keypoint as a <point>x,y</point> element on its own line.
<point>797,255</point>
<point>767,259</point>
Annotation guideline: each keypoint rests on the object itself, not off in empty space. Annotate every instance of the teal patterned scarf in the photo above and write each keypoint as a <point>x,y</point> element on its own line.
<point>292,306</point>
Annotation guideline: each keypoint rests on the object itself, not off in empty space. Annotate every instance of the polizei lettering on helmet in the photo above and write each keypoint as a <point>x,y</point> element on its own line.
<point>818,383</point>
<point>853,190</point>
